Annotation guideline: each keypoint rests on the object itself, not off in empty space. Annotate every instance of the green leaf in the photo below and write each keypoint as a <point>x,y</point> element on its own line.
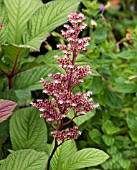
<point>25,160</point>
<point>32,80</point>
<point>4,131</point>
<point>132,124</point>
<point>23,95</point>
<point>81,119</point>
<point>28,130</point>
<point>10,54</point>
<point>109,140</point>
<point>100,34</point>
<point>109,128</point>
<point>85,158</point>
<point>46,19</point>
<point>111,99</point>
<point>63,152</point>
<point>128,54</point>
<point>3,20</point>
<point>95,136</point>
<point>9,95</point>
<point>97,85</point>
<point>126,88</point>
<point>19,12</point>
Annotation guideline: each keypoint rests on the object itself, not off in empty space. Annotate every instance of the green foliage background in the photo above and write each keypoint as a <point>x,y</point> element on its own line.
<point>113,128</point>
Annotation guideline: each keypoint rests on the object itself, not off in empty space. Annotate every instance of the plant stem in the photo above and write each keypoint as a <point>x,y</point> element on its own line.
<point>10,82</point>
<point>55,148</point>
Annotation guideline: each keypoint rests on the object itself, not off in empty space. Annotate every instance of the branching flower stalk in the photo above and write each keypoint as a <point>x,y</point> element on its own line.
<point>61,87</point>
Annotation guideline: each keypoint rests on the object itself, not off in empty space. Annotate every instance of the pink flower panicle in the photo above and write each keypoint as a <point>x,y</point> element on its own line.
<point>62,85</point>
<point>66,134</point>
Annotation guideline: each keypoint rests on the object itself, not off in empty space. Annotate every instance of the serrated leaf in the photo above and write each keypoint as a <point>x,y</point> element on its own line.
<point>85,158</point>
<point>6,109</point>
<point>46,19</point>
<point>3,20</point>
<point>25,160</point>
<point>32,80</point>
<point>126,88</point>
<point>28,130</point>
<point>64,151</point>
<point>19,12</point>
<point>4,131</point>
<point>23,95</point>
<point>9,95</point>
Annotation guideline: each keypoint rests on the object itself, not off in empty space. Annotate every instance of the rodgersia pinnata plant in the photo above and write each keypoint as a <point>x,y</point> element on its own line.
<point>62,100</point>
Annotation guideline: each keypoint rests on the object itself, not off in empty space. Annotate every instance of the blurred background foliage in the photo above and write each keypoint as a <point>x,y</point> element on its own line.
<point>112,55</point>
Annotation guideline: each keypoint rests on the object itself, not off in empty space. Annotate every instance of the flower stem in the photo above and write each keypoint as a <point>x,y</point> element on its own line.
<point>55,148</point>
<point>10,81</point>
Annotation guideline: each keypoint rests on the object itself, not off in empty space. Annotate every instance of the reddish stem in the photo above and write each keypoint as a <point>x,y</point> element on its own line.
<point>15,64</point>
<point>10,81</point>
<point>11,74</point>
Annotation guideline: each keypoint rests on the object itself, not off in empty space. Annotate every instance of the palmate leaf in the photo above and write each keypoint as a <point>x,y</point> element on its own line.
<point>19,12</point>
<point>85,158</point>
<point>6,109</point>
<point>46,19</point>
<point>25,160</point>
<point>64,151</point>
<point>28,130</point>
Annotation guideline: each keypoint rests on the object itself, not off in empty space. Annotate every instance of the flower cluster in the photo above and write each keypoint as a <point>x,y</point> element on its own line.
<point>61,87</point>
<point>66,134</point>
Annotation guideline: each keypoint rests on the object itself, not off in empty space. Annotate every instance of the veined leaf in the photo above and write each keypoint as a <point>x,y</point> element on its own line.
<point>32,80</point>
<point>126,88</point>
<point>9,53</point>
<point>4,131</point>
<point>85,158</point>
<point>64,151</point>
<point>46,19</point>
<point>25,160</point>
<point>28,130</point>
<point>3,20</point>
<point>6,109</point>
<point>9,95</point>
<point>19,12</point>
